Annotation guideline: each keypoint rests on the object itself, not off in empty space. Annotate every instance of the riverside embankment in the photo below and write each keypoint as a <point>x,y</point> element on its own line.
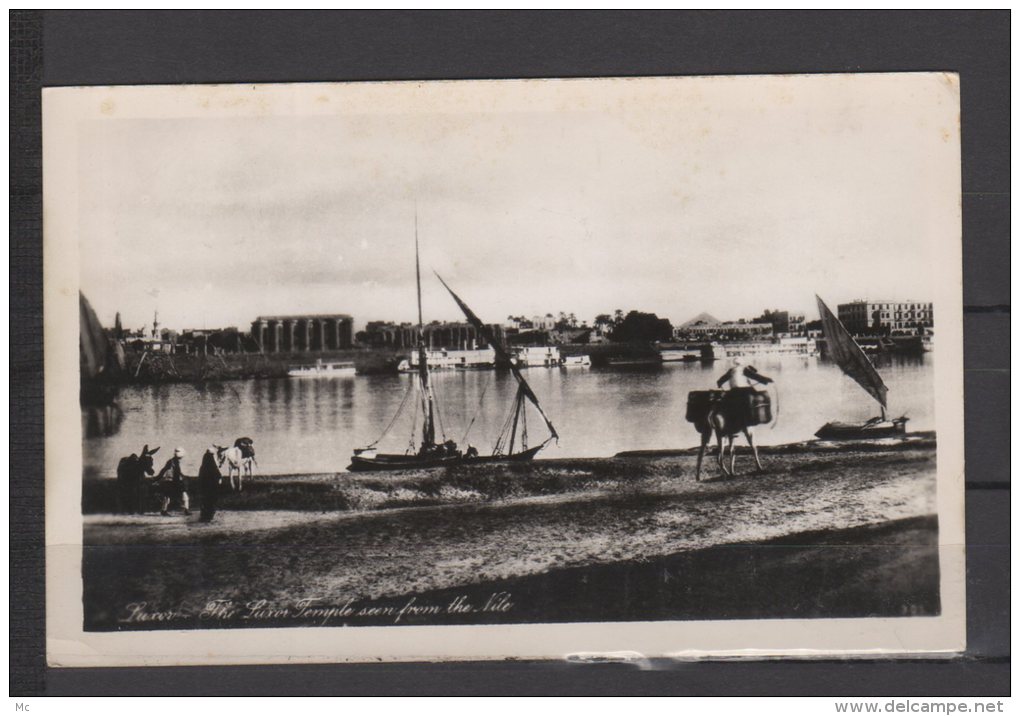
<point>823,532</point>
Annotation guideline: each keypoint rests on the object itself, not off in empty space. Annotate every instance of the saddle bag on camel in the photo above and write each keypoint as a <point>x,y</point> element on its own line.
<point>750,406</point>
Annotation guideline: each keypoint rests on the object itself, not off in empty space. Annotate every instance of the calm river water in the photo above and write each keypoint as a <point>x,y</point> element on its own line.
<point>313,424</point>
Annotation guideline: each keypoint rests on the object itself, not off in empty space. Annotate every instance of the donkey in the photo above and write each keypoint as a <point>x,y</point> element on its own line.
<point>131,472</point>
<point>726,419</point>
<point>237,463</point>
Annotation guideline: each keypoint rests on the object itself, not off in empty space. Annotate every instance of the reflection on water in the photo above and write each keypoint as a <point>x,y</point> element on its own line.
<point>101,420</point>
<point>313,424</point>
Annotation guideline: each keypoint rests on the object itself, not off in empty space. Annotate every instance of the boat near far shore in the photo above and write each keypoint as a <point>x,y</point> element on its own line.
<point>322,369</point>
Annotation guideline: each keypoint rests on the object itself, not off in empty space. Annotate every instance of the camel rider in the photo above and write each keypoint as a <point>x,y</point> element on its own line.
<point>741,377</point>
<point>171,483</point>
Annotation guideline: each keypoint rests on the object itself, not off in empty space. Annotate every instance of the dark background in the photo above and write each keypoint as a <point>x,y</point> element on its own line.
<point>148,47</point>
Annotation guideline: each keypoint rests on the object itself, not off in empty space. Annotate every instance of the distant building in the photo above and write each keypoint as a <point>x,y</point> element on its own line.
<point>210,341</point>
<point>400,336</point>
<point>298,334</point>
<point>149,340</point>
<point>518,323</point>
<point>543,323</point>
<point>866,317</point>
<point>705,327</point>
<point>783,322</point>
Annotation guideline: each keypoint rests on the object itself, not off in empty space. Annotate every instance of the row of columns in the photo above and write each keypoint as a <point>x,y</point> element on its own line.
<point>455,336</point>
<point>292,335</point>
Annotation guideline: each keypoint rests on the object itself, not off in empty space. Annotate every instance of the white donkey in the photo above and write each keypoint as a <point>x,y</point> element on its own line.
<point>237,463</point>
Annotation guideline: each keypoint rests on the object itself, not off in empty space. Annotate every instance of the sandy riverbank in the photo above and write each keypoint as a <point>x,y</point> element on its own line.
<point>488,483</point>
<point>861,522</point>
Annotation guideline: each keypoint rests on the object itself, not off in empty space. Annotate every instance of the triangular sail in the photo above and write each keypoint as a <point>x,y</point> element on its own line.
<point>848,355</point>
<point>92,342</point>
<point>487,334</point>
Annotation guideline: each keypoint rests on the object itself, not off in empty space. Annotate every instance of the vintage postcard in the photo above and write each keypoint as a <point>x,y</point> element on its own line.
<point>662,367</point>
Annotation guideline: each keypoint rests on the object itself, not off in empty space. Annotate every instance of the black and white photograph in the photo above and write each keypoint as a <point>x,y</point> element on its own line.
<point>666,365</point>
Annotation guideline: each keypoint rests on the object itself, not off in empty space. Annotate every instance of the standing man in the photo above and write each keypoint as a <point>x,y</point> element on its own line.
<point>740,377</point>
<point>171,483</point>
<point>745,405</point>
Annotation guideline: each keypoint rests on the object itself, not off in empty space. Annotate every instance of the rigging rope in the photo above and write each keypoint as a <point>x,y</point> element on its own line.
<point>437,406</point>
<point>414,424</point>
<point>775,417</point>
<point>524,426</point>
<point>396,415</point>
<point>485,388</point>
<point>507,426</point>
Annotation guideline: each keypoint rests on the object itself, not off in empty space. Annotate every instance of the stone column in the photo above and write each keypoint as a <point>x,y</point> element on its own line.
<point>274,336</point>
<point>262,335</point>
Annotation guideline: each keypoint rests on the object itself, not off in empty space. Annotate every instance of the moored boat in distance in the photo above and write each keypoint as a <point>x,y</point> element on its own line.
<point>443,359</point>
<point>679,355</point>
<point>537,357</point>
<point>547,357</point>
<point>322,369</point>
<point>582,361</point>
<point>795,347</point>
<point>635,362</point>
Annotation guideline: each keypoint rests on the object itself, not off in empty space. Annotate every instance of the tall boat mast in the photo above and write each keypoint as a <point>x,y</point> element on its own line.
<point>431,454</point>
<point>428,431</point>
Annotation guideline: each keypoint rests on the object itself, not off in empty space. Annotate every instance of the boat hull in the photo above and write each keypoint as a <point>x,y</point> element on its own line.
<point>868,430</point>
<point>343,373</point>
<point>386,462</point>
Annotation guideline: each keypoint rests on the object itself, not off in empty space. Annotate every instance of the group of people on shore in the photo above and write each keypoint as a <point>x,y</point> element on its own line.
<point>171,485</point>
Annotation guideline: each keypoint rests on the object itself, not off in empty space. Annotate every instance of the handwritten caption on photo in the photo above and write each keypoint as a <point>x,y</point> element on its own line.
<point>316,611</point>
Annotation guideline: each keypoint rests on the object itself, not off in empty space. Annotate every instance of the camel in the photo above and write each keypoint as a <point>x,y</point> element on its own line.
<point>725,416</point>
<point>237,464</point>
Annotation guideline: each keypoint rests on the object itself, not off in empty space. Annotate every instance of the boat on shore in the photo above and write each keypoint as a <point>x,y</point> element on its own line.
<point>874,428</point>
<point>855,364</point>
<point>322,369</point>
<point>435,450</point>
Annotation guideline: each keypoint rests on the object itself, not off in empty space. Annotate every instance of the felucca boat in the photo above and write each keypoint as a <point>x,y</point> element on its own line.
<point>512,443</point>
<point>854,362</point>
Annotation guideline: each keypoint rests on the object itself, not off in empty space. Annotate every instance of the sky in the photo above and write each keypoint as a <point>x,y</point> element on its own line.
<point>725,198</point>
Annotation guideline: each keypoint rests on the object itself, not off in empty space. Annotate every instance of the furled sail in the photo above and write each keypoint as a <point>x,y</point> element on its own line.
<point>848,355</point>
<point>487,334</point>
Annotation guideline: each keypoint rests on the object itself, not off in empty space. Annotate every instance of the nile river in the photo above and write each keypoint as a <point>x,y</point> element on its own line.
<point>313,424</point>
